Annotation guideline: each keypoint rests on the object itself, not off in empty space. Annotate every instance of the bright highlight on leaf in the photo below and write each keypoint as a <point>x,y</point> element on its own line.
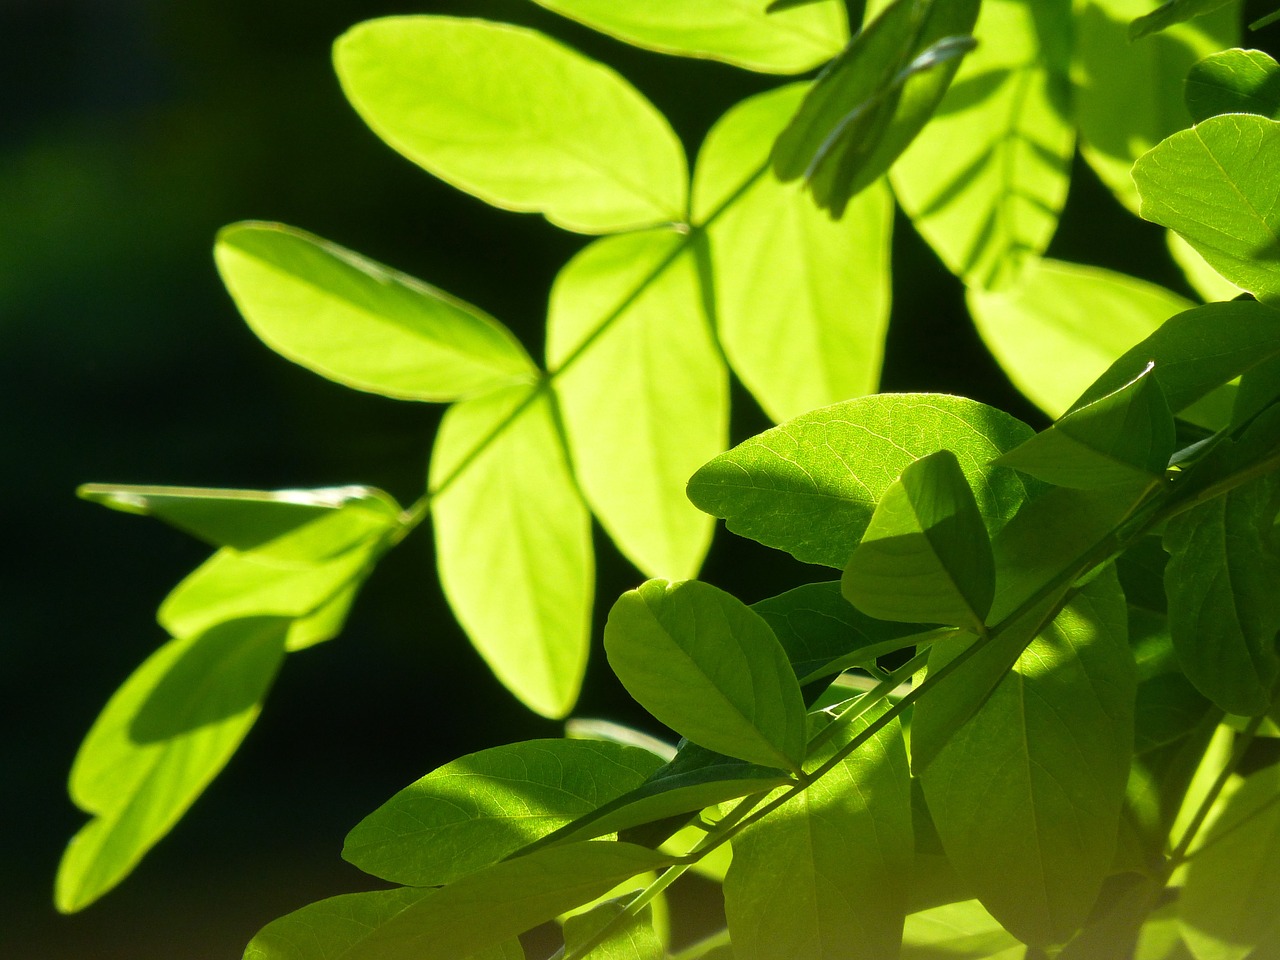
<point>517,119</point>
<point>360,323</point>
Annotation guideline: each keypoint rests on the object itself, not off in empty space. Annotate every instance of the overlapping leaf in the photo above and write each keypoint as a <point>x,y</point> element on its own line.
<point>513,543</point>
<point>630,937</point>
<point>959,931</point>
<point>1171,12</point>
<point>517,119</point>
<point>1234,81</point>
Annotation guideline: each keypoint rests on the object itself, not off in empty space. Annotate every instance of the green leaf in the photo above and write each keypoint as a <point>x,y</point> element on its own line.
<point>873,99</point>
<point>957,931</point>
<point>1218,185</point>
<point>1234,81</point>
<point>809,486</point>
<point>704,664</point>
<point>513,543</point>
<point>1224,606</point>
<point>1128,96</point>
<point>360,323</point>
<point>517,119</point>
<point>801,300</point>
<point>1026,795</point>
<point>479,808</point>
<point>1171,12</point>
<point>1124,437</point>
<point>643,392</point>
<point>829,868</point>
<point>925,555</point>
<point>1227,909</point>
<point>743,33</point>
<point>480,911</point>
<point>1064,323</point>
<point>986,179</point>
<point>632,938</point>
<point>160,740</point>
<point>1206,281</point>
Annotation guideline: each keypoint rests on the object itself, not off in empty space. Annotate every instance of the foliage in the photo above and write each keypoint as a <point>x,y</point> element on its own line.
<point>1022,713</point>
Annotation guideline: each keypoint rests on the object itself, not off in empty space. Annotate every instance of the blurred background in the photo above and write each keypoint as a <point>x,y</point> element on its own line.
<point>132,131</point>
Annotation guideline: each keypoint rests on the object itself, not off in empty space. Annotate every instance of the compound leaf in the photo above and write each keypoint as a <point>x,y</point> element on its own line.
<point>362,324</point>
<point>704,664</point>
<point>1234,81</point>
<point>643,392</point>
<point>513,542</point>
<point>517,119</point>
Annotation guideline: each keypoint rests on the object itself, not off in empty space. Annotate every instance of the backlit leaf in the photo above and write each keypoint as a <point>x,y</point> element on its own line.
<point>986,179</point>
<point>1234,81</point>
<point>1171,12</point>
<point>1206,281</point>
<point>632,938</point>
<point>957,931</point>
<point>360,323</point>
<point>477,809</point>
<point>704,664</point>
<point>517,119</point>
<point>643,392</point>
<point>741,33</point>
<point>513,542</point>
<point>810,485</point>
<point>801,300</point>
<point>160,740</point>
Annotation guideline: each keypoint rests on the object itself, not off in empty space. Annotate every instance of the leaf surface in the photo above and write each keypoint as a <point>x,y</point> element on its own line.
<point>516,119</point>
<point>643,392</point>
<point>633,938</point>
<point>801,300</point>
<point>362,324</point>
<point>740,32</point>
<point>957,931</point>
<point>476,810</point>
<point>513,543</point>
<point>1234,81</point>
<point>704,664</point>
<point>161,738</point>
<point>1171,12</point>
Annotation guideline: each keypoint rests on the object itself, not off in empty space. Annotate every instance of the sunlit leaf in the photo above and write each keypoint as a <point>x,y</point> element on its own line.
<point>1171,12</point>
<point>643,392</point>
<point>741,33</point>
<point>477,809</point>
<point>1206,281</point>
<point>1234,81</point>
<point>360,323</point>
<point>517,119</point>
<point>986,179</point>
<point>809,486</point>
<point>704,664</point>
<point>513,542</point>
<point>158,742</point>
<point>630,938</point>
<point>801,300</point>
<point>957,931</point>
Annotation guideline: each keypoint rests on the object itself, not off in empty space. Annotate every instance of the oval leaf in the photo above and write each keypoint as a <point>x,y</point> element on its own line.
<point>517,119</point>
<point>1234,81</point>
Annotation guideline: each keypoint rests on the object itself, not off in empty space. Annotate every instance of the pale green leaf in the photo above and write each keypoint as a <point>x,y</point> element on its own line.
<point>1227,909</point>
<point>925,555</point>
<point>629,938</point>
<point>1234,81</point>
<point>643,392</point>
<point>160,740</point>
<point>1129,96</point>
<point>1063,324</point>
<point>1026,795</point>
<point>1218,185</point>
<point>801,300</point>
<point>829,868</point>
<point>809,486</point>
<point>513,542</point>
<point>739,32</point>
<point>360,323</point>
<point>478,912</point>
<point>1172,12</point>
<point>517,119</point>
<point>477,809</point>
<point>956,931</point>
<point>1206,281</point>
<point>704,664</point>
<point>986,179</point>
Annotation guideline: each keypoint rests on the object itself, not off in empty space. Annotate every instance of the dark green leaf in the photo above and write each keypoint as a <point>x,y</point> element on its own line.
<point>1266,21</point>
<point>809,486</point>
<point>925,555</point>
<point>1234,81</point>
<point>633,938</point>
<point>704,664</point>
<point>1171,12</point>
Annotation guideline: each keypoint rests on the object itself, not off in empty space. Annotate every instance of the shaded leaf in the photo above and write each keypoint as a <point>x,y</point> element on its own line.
<point>632,938</point>
<point>744,34</point>
<point>477,809</point>
<point>801,300</point>
<point>1171,12</point>
<point>643,392</point>
<point>704,664</point>
<point>810,485</point>
<point>517,119</point>
<point>160,740</point>
<point>1234,81</point>
<point>362,324</point>
<point>513,542</point>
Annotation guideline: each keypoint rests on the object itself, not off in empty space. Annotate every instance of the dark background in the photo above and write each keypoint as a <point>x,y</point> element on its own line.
<point>131,131</point>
